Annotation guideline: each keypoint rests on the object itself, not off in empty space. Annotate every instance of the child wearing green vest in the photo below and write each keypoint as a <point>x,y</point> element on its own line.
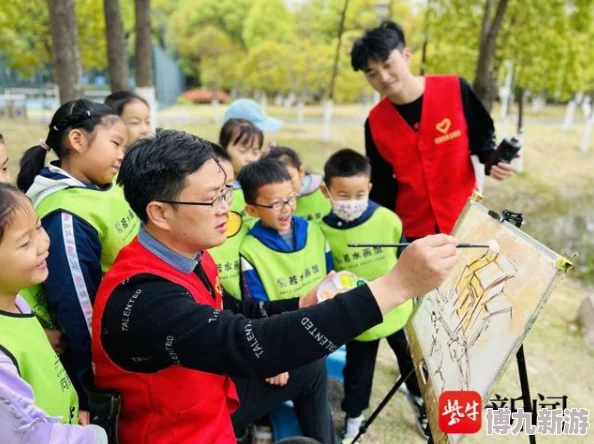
<point>356,219</point>
<point>226,256</point>
<point>282,256</point>
<point>311,203</point>
<point>85,215</point>
<point>37,400</point>
<point>135,113</point>
<point>243,142</point>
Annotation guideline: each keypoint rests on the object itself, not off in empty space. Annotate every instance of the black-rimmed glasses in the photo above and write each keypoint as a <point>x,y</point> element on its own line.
<point>279,204</point>
<point>216,204</point>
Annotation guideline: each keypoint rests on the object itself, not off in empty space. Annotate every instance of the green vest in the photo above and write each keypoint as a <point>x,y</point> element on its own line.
<point>22,338</point>
<point>288,275</point>
<point>226,256</point>
<point>313,206</point>
<point>238,206</point>
<point>107,211</point>
<point>370,263</point>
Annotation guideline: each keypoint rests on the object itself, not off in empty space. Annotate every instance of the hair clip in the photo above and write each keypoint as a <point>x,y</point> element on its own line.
<point>44,145</point>
<point>55,128</point>
<point>88,113</point>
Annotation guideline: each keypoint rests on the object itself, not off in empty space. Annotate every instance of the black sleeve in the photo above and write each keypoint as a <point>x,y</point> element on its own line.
<point>481,130</point>
<point>149,324</point>
<point>252,309</point>
<point>382,174</point>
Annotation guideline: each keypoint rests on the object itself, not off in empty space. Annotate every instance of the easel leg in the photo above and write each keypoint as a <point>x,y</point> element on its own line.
<point>523,373</point>
<point>521,358</point>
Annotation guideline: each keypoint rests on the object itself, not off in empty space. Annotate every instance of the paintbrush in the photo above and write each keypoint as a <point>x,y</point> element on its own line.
<point>490,244</point>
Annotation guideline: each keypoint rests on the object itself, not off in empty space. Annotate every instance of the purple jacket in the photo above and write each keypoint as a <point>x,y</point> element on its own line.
<point>21,421</point>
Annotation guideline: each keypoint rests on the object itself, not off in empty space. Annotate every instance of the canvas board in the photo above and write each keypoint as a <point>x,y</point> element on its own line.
<point>463,333</point>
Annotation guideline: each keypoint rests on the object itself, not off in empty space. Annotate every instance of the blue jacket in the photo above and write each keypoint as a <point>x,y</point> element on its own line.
<point>60,291</point>
<point>336,222</point>
<point>254,289</point>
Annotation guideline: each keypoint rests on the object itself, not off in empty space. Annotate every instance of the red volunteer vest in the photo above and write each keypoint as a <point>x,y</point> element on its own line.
<point>176,405</point>
<point>432,166</point>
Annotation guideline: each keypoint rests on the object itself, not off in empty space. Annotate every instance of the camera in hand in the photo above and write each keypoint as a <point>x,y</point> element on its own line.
<point>505,152</point>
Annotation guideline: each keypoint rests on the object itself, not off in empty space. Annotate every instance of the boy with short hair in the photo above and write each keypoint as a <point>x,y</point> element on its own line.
<point>311,203</point>
<point>356,219</point>
<point>282,256</point>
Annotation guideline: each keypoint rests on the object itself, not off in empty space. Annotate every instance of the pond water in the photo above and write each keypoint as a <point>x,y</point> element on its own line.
<point>568,234</point>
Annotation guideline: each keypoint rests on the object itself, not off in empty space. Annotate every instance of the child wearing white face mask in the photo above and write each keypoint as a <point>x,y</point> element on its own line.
<point>356,219</point>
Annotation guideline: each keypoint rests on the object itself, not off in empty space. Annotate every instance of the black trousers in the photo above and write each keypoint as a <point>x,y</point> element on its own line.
<point>360,366</point>
<point>307,388</point>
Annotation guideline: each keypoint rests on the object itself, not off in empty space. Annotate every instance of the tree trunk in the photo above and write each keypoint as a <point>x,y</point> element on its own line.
<point>486,20</point>
<point>144,55</point>
<point>337,54</point>
<point>484,84</point>
<point>66,55</point>
<point>116,46</point>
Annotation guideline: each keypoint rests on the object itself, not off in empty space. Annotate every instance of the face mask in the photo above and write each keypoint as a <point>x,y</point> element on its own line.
<point>349,210</point>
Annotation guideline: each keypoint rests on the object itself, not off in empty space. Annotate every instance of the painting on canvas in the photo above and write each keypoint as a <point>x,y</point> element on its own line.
<point>462,334</point>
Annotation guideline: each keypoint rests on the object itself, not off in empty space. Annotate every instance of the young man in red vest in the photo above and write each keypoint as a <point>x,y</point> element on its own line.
<point>169,341</point>
<point>420,137</point>
<point>419,140</point>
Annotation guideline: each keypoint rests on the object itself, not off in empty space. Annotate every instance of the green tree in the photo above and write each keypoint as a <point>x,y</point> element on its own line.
<point>350,85</point>
<point>26,42</point>
<point>454,32</point>
<point>268,20</point>
<point>263,68</point>
<point>484,84</point>
<point>318,20</point>
<point>462,40</point>
<point>553,57</point>
<point>189,16</point>
<point>218,65</point>
<point>207,37</point>
<point>576,65</point>
<point>546,41</point>
<point>309,67</point>
<point>537,53</point>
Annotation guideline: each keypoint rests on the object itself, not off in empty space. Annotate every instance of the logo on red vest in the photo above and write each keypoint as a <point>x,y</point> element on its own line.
<point>443,127</point>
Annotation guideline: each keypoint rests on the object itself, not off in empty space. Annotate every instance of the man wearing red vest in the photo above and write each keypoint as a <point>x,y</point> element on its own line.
<point>169,342</point>
<point>420,137</point>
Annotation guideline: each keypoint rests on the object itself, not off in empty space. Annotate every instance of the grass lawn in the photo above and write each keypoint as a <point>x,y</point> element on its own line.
<point>558,180</point>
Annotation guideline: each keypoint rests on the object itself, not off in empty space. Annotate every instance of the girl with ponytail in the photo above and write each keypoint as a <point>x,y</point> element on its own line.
<point>86,217</point>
